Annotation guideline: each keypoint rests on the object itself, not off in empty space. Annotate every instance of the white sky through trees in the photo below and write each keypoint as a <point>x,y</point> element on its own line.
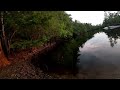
<point>93,17</point>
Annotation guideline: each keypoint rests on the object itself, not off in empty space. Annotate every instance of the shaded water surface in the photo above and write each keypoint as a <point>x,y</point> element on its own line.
<point>94,56</point>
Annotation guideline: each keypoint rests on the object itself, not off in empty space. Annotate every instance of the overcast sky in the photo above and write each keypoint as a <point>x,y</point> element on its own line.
<point>93,17</point>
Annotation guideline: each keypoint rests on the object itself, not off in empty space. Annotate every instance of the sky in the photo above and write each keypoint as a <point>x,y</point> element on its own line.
<point>93,17</point>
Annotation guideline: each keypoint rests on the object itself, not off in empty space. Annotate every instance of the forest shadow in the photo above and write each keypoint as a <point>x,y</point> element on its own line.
<point>63,58</point>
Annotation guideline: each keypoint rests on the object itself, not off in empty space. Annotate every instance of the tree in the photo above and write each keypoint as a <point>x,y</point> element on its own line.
<point>111,19</point>
<point>4,40</point>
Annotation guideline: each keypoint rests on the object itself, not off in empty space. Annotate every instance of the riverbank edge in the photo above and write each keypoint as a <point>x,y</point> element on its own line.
<point>29,53</point>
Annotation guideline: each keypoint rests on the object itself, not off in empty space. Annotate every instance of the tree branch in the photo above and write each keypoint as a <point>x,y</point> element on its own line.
<point>12,36</point>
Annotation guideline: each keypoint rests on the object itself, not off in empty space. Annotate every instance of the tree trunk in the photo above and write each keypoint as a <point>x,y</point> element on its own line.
<point>3,60</point>
<point>4,41</point>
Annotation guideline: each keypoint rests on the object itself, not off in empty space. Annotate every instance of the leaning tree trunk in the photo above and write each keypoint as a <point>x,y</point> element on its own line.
<point>4,41</point>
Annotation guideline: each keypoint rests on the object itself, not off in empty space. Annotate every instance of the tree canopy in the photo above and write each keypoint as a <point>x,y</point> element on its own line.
<point>111,19</point>
<point>25,29</point>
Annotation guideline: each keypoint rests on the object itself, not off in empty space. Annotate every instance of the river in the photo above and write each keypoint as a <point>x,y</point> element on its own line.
<point>100,57</point>
<point>96,57</point>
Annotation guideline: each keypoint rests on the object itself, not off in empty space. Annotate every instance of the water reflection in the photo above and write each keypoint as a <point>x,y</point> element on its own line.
<point>99,57</point>
<point>92,56</point>
<point>62,59</point>
<point>113,36</point>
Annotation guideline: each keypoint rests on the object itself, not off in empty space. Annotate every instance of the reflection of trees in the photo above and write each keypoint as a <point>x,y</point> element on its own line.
<point>113,36</point>
<point>112,41</point>
<point>64,57</point>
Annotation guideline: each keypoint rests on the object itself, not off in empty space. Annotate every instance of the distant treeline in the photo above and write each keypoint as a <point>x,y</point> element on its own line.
<point>111,19</point>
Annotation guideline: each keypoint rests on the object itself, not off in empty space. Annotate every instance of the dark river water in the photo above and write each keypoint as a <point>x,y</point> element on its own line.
<point>100,57</point>
<point>97,56</point>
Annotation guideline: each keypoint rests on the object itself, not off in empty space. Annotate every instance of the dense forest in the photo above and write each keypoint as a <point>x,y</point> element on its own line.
<point>26,29</point>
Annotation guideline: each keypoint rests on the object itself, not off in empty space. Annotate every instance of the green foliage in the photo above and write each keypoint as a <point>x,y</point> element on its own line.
<point>31,28</point>
<point>112,19</point>
<point>82,28</point>
<point>26,44</point>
